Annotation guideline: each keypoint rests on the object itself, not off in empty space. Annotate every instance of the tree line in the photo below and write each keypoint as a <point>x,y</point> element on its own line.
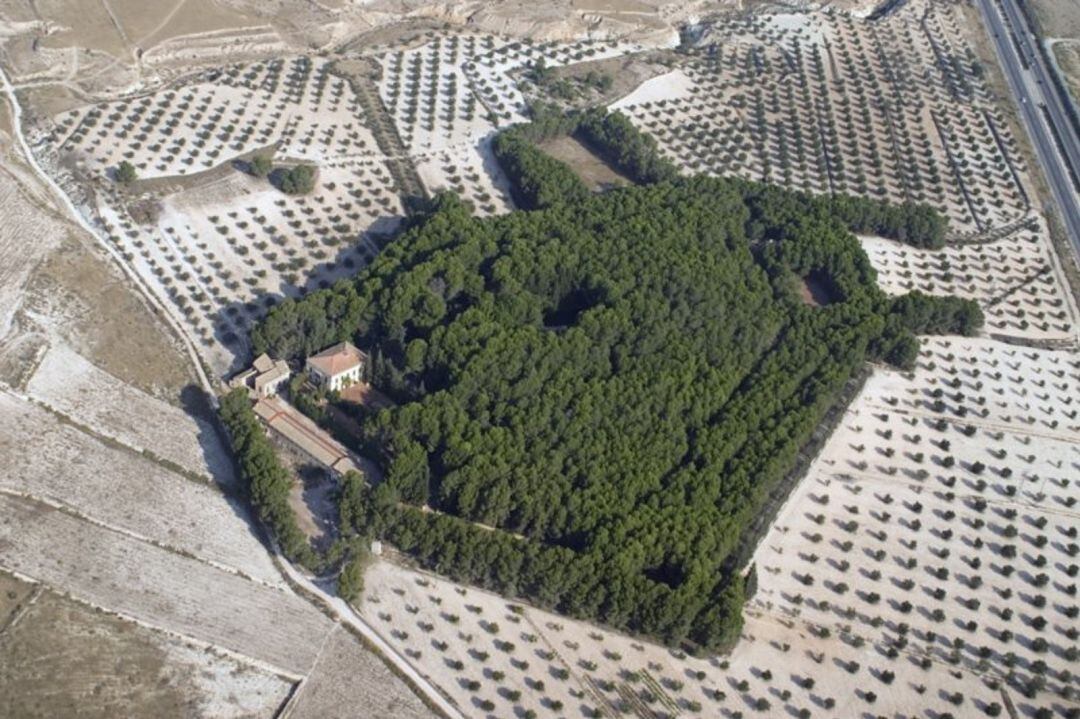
<point>266,481</point>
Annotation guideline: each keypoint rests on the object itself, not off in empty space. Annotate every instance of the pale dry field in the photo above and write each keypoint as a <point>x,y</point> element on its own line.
<point>80,298</point>
<point>112,667</point>
<point>1057,17</point>
<point>1067,55</point>
<point>46,458</point>
<point>29,239</point>
<point>331,692</point>
<point>68,383</point>
<point>159,587</point>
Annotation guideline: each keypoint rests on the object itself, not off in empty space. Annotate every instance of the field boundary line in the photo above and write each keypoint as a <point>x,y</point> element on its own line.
<point>289,706</point>
<point>224,651</point>
<point>888,481</point>
<point>22,610</point>
<point>114,442</point>
<point>67,509</point>
<point>342,612</point>
<point>975,422</point>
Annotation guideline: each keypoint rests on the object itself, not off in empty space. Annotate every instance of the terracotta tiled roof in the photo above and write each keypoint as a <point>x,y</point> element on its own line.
<point>332,361</point>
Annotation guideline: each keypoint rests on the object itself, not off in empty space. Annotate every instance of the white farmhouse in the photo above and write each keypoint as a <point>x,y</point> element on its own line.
<point>336,367</point>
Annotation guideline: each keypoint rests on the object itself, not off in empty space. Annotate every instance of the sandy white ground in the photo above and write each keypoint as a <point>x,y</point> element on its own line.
<point>68,383</point>
<point>46,458</point>
<point>674,85</point>
<point>159,587</point>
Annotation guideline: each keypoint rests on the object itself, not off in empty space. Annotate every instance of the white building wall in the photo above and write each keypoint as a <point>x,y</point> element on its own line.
<point>339,382</point>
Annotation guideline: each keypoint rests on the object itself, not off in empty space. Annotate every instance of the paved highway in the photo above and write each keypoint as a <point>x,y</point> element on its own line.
<point>1031,83</point>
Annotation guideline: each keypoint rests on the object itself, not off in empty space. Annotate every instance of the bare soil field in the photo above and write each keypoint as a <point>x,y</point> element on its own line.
<point>1067,55</point>
<point>65,659</point>
<point>148,25</point>
<point>592,170</point>
<point>80,24</point>
<point>26,234</point>
<point>1058,18</point>
<point>83,298</point>
<point>159,587</point>
<point>46,458</point>
<point>66,382</point>
<point>14,596</point>
<point>332,692</point>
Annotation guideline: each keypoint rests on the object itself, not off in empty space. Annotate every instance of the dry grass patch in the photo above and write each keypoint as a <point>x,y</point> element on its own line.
<point>1067,54</point>
<point>65,659</point>
<point>84,298</point>
<point>592,170</point>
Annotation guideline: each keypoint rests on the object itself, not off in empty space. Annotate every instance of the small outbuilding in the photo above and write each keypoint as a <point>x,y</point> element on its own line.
<point>337,367</point>
<point>264,378</point>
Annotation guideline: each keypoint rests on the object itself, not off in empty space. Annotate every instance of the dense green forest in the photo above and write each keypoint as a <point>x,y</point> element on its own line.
<point>620,379</point>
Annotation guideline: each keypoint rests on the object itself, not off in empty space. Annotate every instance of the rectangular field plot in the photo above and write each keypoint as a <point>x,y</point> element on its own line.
<point>62,465</point>
<point>68,383</point>
<point>64,659</point>
<point>159,587</point>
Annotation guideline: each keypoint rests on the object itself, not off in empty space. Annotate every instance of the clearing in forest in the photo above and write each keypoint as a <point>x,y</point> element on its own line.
<point>593,171</point>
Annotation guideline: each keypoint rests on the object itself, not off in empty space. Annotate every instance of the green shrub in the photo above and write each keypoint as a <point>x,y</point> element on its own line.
<point>297,180</point>
<point>125,173</point>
